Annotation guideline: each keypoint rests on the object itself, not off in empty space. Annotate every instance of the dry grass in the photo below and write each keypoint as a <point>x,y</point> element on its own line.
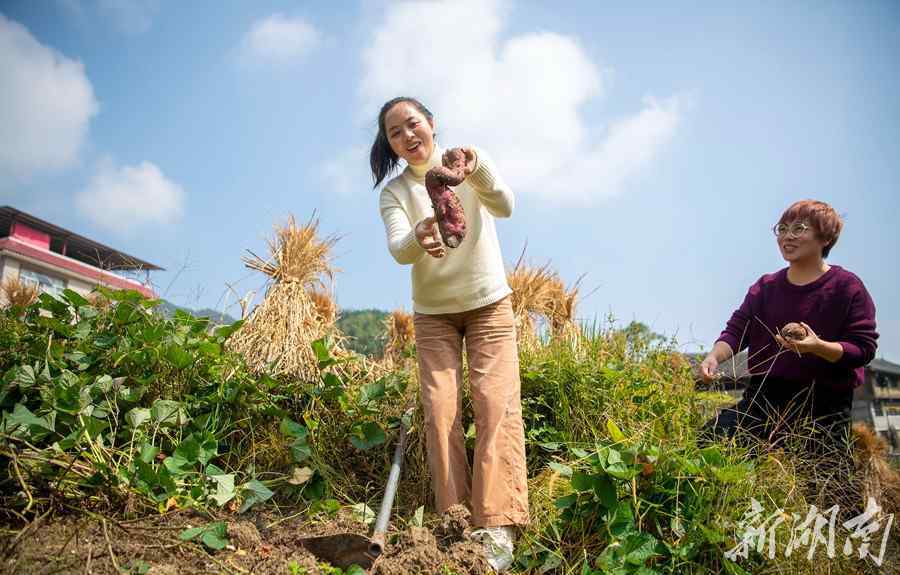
<point>400,334</point>
<point>278,334</point>
<point>325,306</point>
<point>879,480</point>
<point>296,254</point>
<point>15,292</point>
<point>539,294</point>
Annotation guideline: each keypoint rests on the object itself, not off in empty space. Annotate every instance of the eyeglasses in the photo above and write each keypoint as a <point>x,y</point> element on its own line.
<point>794,230</point>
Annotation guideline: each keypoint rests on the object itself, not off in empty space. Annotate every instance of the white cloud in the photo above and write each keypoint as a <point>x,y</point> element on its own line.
<point>125,198</point>
<point>46,103</point>
<point>521,99</point>
<point>279,39</point>
<point>344,172</point>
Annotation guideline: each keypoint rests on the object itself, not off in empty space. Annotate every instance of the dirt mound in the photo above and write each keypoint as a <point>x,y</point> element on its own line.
<point>448,549</point>
<point>262,544</point>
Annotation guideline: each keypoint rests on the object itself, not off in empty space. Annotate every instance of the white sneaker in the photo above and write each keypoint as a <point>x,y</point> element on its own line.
<point>498,545</point>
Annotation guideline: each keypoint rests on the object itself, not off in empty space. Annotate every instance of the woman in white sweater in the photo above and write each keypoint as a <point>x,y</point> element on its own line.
<point>460,295</point>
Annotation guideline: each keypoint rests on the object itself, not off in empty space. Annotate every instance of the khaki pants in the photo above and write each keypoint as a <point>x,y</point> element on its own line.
<point>498,489</point>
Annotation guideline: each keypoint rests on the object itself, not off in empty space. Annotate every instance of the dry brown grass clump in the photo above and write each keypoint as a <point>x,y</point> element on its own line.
<point>539,294</point>
<point>399,334</point>
<point>325,306</point>
<point>277,336</point>
<point>15,292</point>
<point>879,480</point>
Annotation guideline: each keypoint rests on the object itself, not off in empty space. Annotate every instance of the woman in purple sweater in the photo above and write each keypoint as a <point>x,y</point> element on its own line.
<point>795,382</point>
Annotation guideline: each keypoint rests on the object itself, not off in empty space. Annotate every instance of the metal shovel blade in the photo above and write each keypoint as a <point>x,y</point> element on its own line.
<point>343,549</point>
<point>346,549</point>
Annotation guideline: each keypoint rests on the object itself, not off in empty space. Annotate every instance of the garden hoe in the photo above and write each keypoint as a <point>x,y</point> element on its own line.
<point>346,549</point>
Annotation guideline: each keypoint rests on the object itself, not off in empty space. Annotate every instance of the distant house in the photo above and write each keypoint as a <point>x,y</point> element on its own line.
<point>877,401</point>
<point>34,250</point>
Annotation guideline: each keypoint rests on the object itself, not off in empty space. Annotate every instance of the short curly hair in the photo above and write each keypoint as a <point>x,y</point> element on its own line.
<point>826,222</point>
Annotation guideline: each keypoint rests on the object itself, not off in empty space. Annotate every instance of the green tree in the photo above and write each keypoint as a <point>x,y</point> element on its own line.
<point>365,328</point>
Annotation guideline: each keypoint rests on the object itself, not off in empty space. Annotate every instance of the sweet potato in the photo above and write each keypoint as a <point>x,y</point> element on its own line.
<point>448,211</point>
<point>793,332</point>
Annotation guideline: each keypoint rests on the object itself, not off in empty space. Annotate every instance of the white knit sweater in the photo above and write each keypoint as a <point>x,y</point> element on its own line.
<point>469,276</point>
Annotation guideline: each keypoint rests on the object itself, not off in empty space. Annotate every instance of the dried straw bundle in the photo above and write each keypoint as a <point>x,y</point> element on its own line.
<point>561,310</point>
<point>325,306</point>
<point>296,254</point>
<point>540,294</point>
<point>532,293</point>
<point>277,336</point>
<point>15,292</point>
<point>879,480</point>
<point>400,334</point>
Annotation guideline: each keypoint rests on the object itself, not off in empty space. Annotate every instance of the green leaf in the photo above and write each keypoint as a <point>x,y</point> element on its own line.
<point>254,492</point>
<point>225,491</point>
<point>372,392</point>
<point>563,470</point>
<point>621,520</point>
<point>300,451</point>
<point>25,377</point>
<point>127,313</point>
<point>328,506</point>
<point>178,357</point>
<point>293,429</point>
<point>225,331</point>
<point>323,355</point>
<point>368,435</point>
<point>582,481</point>
<point>148,452</point>
<point>169,413</point>
<point>605,491</point>
<point>212,535</point>
<point>639,548</point>
<point>733,473</point>
<point>612,463</point>
<point>189,534</point>
<point>22,416</point>
<point>566,501</point>
<point>418,517</point>
<point>355,570</point>
<point>210,349</point>
<point>363,513</point>
<point>614,432</point>
<point>74,298</point>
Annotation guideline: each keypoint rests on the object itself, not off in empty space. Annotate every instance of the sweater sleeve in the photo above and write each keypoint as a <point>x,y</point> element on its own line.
<point>400,235</point>
<point>859,336</point>
<point>736,333</point>
<point>493,192</point>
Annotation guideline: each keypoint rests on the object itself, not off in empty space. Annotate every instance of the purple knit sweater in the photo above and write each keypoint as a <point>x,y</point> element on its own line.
<point>836,306</point>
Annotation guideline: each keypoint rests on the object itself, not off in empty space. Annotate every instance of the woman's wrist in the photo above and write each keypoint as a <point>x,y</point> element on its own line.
<point>830,351</point>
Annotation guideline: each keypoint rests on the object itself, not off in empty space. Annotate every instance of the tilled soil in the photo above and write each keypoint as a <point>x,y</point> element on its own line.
<point>261,543</point>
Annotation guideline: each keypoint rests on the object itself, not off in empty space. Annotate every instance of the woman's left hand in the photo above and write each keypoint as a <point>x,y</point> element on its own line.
<point>471,160</point>
<point>809,344</point>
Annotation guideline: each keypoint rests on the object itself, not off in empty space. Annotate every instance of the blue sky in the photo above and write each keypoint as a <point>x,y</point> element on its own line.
<point>650,148</point>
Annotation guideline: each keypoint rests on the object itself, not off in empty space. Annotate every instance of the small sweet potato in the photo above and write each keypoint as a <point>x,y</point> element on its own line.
<point>793,332</point>
<point>448,211</point>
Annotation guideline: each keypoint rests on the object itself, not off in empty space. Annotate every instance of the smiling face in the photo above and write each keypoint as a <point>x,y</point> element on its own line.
<point>410,133</point>
<point>799,242</point>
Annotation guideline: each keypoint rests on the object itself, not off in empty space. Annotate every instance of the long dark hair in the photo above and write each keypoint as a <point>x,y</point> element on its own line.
<point>382,158</point>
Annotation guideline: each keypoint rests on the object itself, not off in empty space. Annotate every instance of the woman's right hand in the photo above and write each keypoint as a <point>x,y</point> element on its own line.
<point>428,238</point>
<point>708,368</point>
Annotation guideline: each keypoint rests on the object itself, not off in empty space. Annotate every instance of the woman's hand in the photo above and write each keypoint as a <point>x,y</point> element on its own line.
<point>709,367</point>
<point>471,160</point>
<point>809,344</point>
<point>427,229</point>
<point>828,350</point>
